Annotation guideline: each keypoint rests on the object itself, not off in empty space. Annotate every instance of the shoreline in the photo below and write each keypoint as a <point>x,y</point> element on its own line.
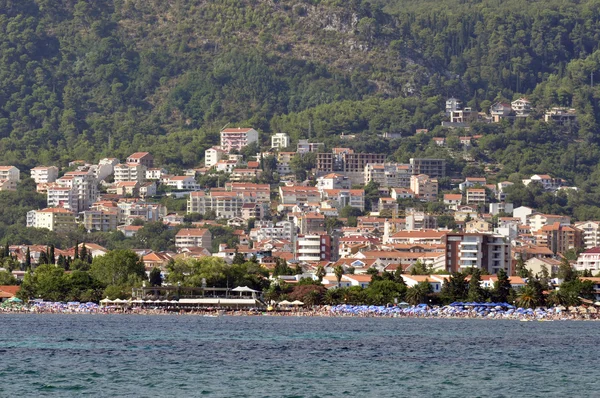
<point>320,313</point>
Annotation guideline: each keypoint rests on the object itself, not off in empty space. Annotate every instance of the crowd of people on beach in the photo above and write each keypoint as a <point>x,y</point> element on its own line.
<point>452,311</point>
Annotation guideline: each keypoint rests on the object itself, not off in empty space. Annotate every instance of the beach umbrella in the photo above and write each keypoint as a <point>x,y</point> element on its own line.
<point>297,302</point>
<point>14,300</point>
<point>284,302</point>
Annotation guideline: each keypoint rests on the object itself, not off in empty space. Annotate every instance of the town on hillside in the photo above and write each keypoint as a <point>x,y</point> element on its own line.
<point>331,215</point>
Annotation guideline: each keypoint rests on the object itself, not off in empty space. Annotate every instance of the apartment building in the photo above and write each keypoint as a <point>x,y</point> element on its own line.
<point>591,233</point>
<point>435,168</point>
<point>333,181</point>
<point>313,248</point>
<point>477,250</point>
<point>44,174</point>
<point>9,177</point>
<point>85,184</point>
<point>561,238</point>
<point>237,138</point>
<point>346,197</point>
<point>388,174</point>
<point>424,187</point>
<point>143,158</point>
<point>537,220</point>
<point>589,260</point>
<point>130,172</point>
<point>305,147</point>
<point>283,162</point>
<point>213,155</point>
<point>193,237</point>
<point>55,219</point>
<point>103,221</point>
<point>125,188</point>
<point>224,204</point>
<point>476,196</point>
<point>299,195</point>
<point>62,196</point>
<point>133,209</point>
<point>260,192</point>
<point>280,140</point>
<point>182,183</point>
<point>264,230</point>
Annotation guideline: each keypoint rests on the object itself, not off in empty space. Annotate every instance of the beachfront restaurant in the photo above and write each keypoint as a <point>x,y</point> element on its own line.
<point>191,298</point>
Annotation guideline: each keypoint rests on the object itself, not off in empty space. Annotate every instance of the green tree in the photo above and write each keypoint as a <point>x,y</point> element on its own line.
<point>320,273</point>
<point>338,271</point>
<point>155,277</point>
<point>502,287</point>
<point>476,292</point>
<point>116,267</point>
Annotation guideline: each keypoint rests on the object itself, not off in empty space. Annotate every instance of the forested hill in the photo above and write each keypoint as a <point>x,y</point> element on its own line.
<point>87,79</point>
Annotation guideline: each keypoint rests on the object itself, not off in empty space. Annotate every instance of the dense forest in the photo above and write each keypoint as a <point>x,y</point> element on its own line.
<point>85,80</point>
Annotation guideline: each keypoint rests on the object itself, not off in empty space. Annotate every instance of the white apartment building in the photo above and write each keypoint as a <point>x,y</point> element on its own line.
<point>224,204</point>
<point>130,172</point>
<point>263,230</point>
<point>537,221</point>
<point>185,183</point>
<point>591,233</point>
<point>589,260</point>
<point>333,181</point>
<point>155,173</point>
<point>388,174</point>
<point>61,196</point>
<point>237,138</point>
<point>44,174</point>
<point>193,237</point>
<point>55,219</point>
<point>280,140</point>
<point>313,248</point>
<point>346,197</point>
<point>130,210</point>
<point>85,185</point>
<point>213,155</point>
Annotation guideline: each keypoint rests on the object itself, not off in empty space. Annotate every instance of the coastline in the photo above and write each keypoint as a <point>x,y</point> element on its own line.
<point>317,313</point>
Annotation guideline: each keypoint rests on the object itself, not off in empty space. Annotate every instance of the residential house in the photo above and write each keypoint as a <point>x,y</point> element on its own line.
<point>521,107</point>
<point>452,201</point>
<point>143,158</point>
<point>500,111</point>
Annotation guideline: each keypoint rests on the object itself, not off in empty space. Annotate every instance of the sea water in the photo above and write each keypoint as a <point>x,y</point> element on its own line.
<point>190,356</point>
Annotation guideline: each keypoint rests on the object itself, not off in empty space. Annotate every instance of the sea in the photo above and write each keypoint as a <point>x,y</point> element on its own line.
<point>263,356</point>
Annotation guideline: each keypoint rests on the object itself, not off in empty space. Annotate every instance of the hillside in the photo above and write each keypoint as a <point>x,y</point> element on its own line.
<point>85,79</point>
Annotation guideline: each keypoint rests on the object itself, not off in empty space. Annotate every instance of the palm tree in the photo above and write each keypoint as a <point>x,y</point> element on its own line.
<point>331,297</point>
<point>338,271</point>
<point>527,297</point>
<point>320,273</point>
<point>414,295</point>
